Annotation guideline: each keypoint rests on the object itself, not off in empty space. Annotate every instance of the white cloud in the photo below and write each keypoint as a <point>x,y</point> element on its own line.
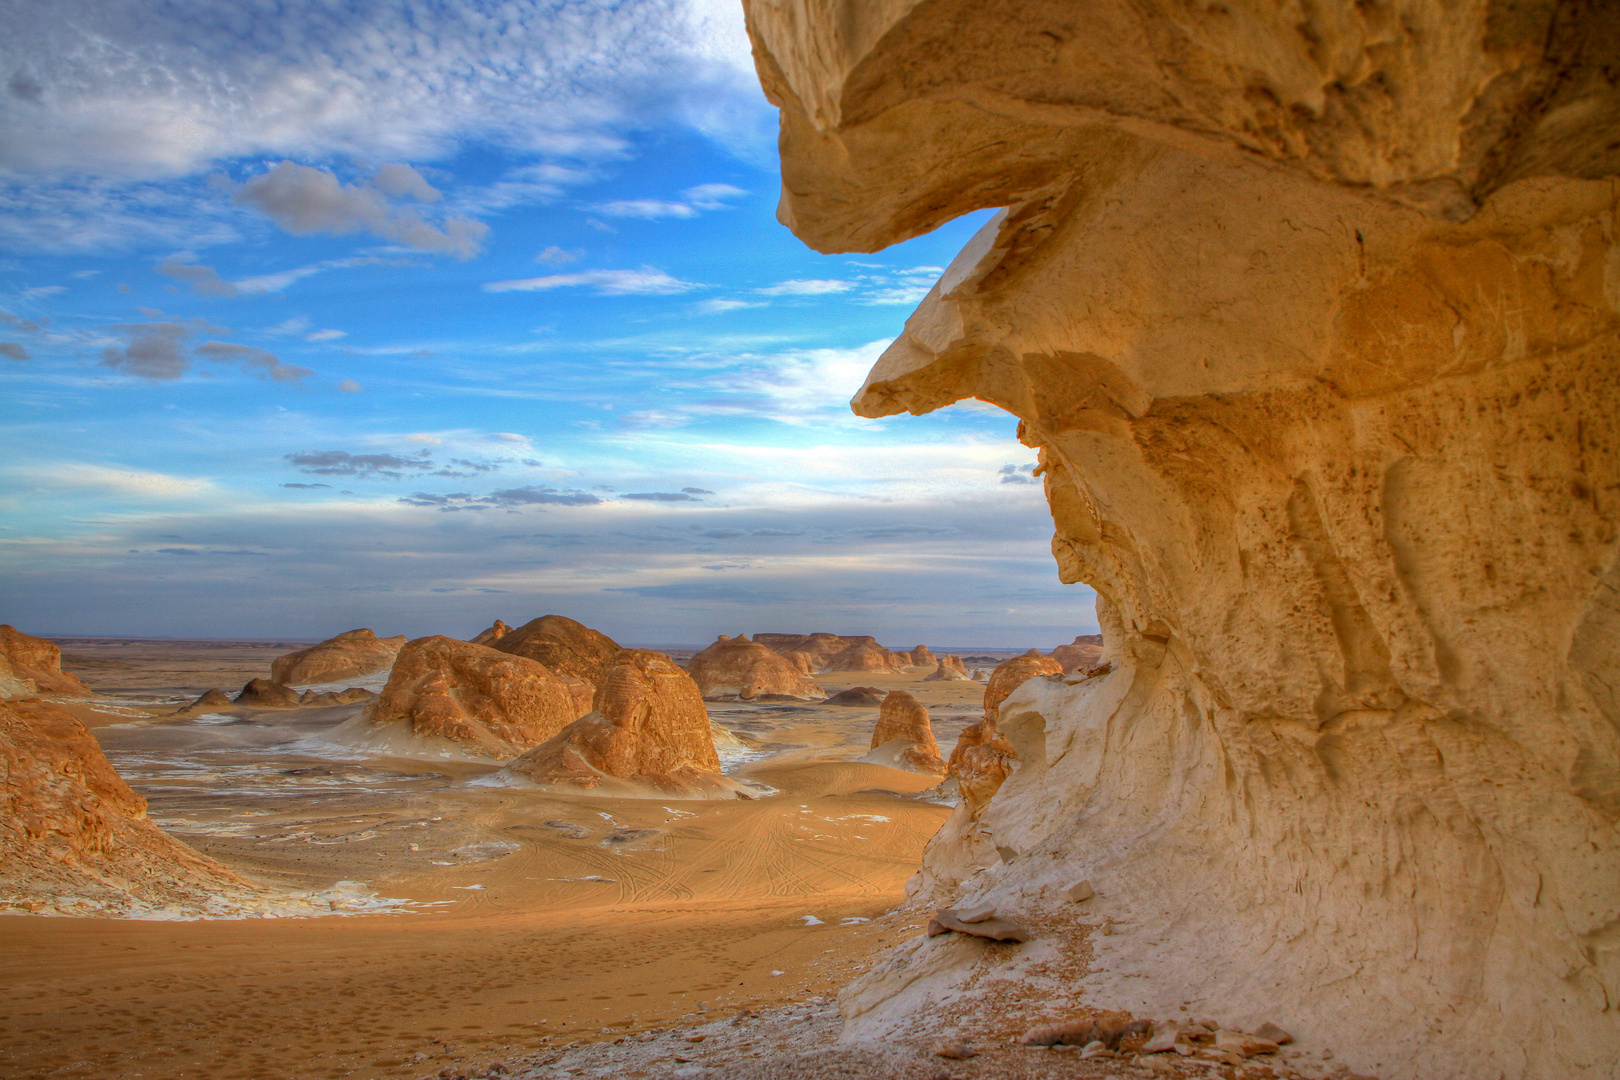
<point>326,335</point>
<point>556,256</point>
<point>349,386</point>
<point>643,282</point>
<point>43,290</point>
<point>715,307</point>
<point>647,209</point>
<point>711,196</point>
<point>131,482</point>
<point>806,287</point>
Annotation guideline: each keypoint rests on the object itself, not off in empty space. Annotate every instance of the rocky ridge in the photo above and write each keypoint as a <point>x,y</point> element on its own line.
<point>349,655</point>
<point>30,666</point>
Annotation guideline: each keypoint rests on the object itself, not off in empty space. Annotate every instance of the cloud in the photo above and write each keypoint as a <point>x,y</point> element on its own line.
<point>661,496</point>
<point>326,335</point>
<point>295,325</point>
<point>343,463</point>
<point>17,322</point>
<point>349,386</point>
<point>253,360</point>
<point>202,279</point>
<point>139,483</point>
<point>42,290</point>
<point>304,200</point>
<point>306,487</point>
<point>529,495</point>
<point>643,282</point>
<point>13,350</point>
<point>151,351</point>
<point>712,196</point>
<point>715,307</point>
<point>556,256</point>
<point>810,287</point>
<point>512,437</point>
<point>647,209</point>
<point>1017,474</point>
<point>697,491</point>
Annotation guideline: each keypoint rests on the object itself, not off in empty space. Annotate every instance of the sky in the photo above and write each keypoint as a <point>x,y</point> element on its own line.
<point>415,315</point>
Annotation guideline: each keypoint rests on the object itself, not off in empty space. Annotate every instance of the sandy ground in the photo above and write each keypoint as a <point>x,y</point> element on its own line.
<point>511,921</point>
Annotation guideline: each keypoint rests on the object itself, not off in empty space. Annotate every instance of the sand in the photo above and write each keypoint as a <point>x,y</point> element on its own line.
<point>520,920</point>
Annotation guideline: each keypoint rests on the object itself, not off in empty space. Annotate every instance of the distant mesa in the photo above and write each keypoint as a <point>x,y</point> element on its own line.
<point>649,736</point>
<point>31,666</point>
<point>75,837</point>
<point>1014,673</point>
<point>493,634</point>
<point>477,700</point>
<point>921,656</point>
<point>903,737</point>
<point>571,650</point>
<point>350,655</point>
<point>735,667</point>
<point>865,656</point>
<point>949,669</point>
<point>266,694</point>
<point>860,697</point>
<point>1082,654</point>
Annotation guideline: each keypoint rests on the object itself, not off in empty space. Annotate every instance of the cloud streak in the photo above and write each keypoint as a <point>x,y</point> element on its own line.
<point>643,282</point>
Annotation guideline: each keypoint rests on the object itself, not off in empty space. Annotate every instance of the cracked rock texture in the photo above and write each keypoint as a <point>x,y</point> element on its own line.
<point>1311,311</point>
<point>347,656</point>
<point>735,667</point>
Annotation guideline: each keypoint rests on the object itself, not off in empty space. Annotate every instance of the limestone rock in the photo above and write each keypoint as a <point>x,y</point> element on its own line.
<point>1012,674</point>
<point>740,668</point>
<point>30,666</point>
<point>70,827</point>
<point>950,669</point>
<point>921,657</point>
<point>649,734</point>
<point>1082,654</point>
<point>208,701</point>
<point>493,634</point>
<point>327,698</point>
<point>903,737</point>
<point>267,694</point>
<point>482,700</point>
<point>1311,312</point>
<point>1109,1029</point>
<point>347,656</point>
<point>864,656</point>
<point>810,651</point>
<point>993,929</point>
<point>569,649</point>
<point>980,763</point>
<point>860,697</point>
<point>1272,1033</point>
<point>1080,892</point>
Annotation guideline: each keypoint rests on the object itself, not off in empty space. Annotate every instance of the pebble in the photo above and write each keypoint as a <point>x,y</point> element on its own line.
<point>955,1050</point>
<point>1080,891</point>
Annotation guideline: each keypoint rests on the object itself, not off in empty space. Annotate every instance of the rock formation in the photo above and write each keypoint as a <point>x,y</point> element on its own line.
<point>1014,673</point>
<point>903,736</point>
<point>478,699</point>
<point>1313,314</point>
<point>921,657</point>
<point>72,832</point>
<point>572,651</point>
<point>815,652</point>
<point>649,735</point>
<point>266,694</point>
<point>350,655</point>
<point>864,656</point>
<point>208,701</point>
<point>950,669</point>
<point>863,697</point>
<point>30,666</point>
<point>1080,655</point>
<point>310,699</point>
<point>739,668</point>
<point>493,634</point>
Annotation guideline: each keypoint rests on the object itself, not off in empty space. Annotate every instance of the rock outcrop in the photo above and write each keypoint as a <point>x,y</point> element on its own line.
<point>571,650</point>
<point>860,697</point>
<point>266,694</point>
<point>493,634</point>
<point>949,669</point>
<point>1313,314</point>
<point>350,655</point>
<point>1012,674</point>
<point>208,701</point>
<point>648,735</point>
<point>734,667</point>
<point>74,837</point>
<point>310,699</point>
<point>904,736</point>
<point>30,666</point>
<point>473,698</point>
<point>921,657</point>
<point>1081,655</point>
<point>816,652</point>
<point>864,656</point>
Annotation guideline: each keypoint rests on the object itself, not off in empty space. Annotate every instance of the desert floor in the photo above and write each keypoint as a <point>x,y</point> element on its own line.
<point>507,921</point>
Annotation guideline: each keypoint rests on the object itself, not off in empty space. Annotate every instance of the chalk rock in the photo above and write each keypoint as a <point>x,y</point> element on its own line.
<point>30,666</point>
<point>569,649</point>
<point>1272,1033</point>
<point>1107,1030</point>
<point>484,701</point>
<point>949,669</point>
<point>1012,674</point>
<point>1080,892</point>
<point>980,763</point>
<point>810,651</point>
<point>921,657</point>
<point>903,737</point>
<point>1163,1039</point>
<point>1082,654</point>
<point>1310,312</point>
<point>649,735</point>
<point>347,656</point>
<point>864,656</point>
<point>1243,1044</point>
<point>863,697</point>
<point>739,668</point>
<point>493,634</point>
<point>992,929</point>
<point>335,697</point>
<point>207,701</point>
<point>70,827</point>
<point>955,1049</point>
<point>267,694</point>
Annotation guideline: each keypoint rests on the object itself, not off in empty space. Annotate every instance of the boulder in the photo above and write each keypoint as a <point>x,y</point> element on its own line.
<point>921,657</point>
<point>267,694</point>
<point>482,700</point>
<point>1014,673</point>
<point>740,668</point>
<point>493,634</point>
<point>571,650</point>
<point>860,697</point>
<point>903,737</point>
<point>1309,311</point>
<point>1082,654</point>
<point>950,669</point>
<point>73,833</point>
<point>864,656</point>
<point>30,666</point>
<point>649,735</point>
<point>350,655</point>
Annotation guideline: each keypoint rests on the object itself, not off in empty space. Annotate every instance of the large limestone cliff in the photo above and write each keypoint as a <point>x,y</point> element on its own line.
<point>1312,313</point>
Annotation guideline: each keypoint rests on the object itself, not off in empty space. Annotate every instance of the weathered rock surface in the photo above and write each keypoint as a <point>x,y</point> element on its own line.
<point>1313,312</point>
<point>350,655</point>
<point>903,736</point>
<point>1012,674</point>
<point>570,649</point>
<point>740,668</point>
<point>493,634</point>
<point>70,827</point>
<point>921,657</point>
<point>267,694</point>
<point>30,666</point>
<point>207,701</point>
<point>649,735</point>
<point>310,699</point>
<point>950,669</point>
<point>817,652</point>
<point>479,699</point>
<point>1082,654</point>
<point>864,656</point>
<point>863,697</point>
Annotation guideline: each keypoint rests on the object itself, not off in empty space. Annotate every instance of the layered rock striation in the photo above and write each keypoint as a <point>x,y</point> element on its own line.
<point>735,667</point>
<point>349,655</point>
<point>30,666</point>
<point>1313,314</point>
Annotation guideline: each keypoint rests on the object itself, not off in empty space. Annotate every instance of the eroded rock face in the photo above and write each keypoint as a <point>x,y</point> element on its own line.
<point>921,657</point>
<point>903,736</point>
<point>70,827</point>
<point>347,656</point>
<point>1082,654</point>
<point>493,634</point>
<point>486,702</point>
<point>266,694</point>
<point>949,669</point>
<point>1011,674</point>
<point>864,656</point>
<point>1312,313</point>
<point>30,666</point>
<point>740,668</point>
<point>649,734</point>
<point>569,649</point>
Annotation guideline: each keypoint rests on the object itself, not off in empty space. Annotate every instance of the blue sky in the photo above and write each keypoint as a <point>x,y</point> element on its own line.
<point>415,315</point>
